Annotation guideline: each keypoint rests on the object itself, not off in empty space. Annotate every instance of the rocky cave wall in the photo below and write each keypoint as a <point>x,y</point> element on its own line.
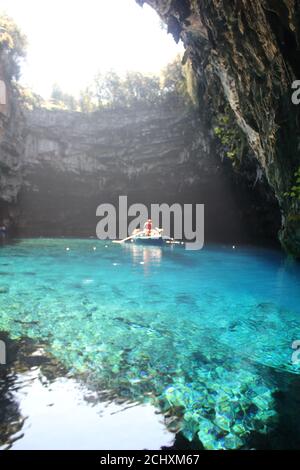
<point>249,49</point>
<point>11,144</point>
<point>244,54</point>
<point>73,162</point>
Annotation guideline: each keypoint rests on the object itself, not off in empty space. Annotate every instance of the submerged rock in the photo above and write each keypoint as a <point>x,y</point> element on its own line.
<point>4,290</point>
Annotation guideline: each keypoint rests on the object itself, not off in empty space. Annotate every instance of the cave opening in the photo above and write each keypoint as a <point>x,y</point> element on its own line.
<point>172,346</point>
<point>154,148</point>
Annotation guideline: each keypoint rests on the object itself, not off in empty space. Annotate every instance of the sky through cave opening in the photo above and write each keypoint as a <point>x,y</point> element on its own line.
<point>70,42</point>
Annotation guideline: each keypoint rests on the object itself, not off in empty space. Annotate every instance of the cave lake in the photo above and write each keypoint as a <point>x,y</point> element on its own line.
<point>193,348</point>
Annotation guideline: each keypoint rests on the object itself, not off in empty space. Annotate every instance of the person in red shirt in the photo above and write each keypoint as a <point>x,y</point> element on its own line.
<point>148,227</point>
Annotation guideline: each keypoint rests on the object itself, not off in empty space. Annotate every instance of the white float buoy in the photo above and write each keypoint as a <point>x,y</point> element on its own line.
<point>67,249</point>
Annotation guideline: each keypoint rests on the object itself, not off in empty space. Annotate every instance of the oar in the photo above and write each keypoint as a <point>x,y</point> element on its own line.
<point>125,239</point>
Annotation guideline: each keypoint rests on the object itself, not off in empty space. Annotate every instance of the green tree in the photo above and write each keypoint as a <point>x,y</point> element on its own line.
<point>86,100</point>
<point>113,91</point>
<point>141,88</point>
<point>109,90</point>
<point>29,99</point>
<point>63,100</point>
<point>57,93</point>
<point>14,43</point>
<point>173,80</point>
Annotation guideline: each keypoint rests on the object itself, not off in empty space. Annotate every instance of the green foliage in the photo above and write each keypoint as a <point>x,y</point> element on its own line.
<point>29,99</point>
<point>141,88</point>
<point>230,137</point>
<point>174,81</point>
<point>63,100</point>
<point>113,91</point>
<point>110,90</point>
<point>13,42</point>
<point>86,102</point>
<point>294,192</point>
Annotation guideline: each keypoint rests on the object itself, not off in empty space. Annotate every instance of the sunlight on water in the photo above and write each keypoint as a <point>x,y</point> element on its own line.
<point>68,416</point>
<point>199,334</point>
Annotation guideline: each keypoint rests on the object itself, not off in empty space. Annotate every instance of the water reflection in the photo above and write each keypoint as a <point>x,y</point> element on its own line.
<point>148,256</point>
<point>42,408</point>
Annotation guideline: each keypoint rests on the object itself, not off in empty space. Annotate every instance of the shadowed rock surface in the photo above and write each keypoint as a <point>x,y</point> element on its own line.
<point>73,162</point>
<point>245,57</point>
<point>11,144</point>
<point>250,51</point>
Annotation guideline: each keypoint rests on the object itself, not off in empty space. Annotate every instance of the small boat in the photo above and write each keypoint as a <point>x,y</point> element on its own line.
<point>156,240</point>
<point>141,237</point>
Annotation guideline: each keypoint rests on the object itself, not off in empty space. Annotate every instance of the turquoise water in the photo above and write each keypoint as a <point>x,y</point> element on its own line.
<point>204,335</point>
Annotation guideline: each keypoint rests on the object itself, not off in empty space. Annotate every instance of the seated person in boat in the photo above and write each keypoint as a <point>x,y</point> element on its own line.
<point>148,228</point>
